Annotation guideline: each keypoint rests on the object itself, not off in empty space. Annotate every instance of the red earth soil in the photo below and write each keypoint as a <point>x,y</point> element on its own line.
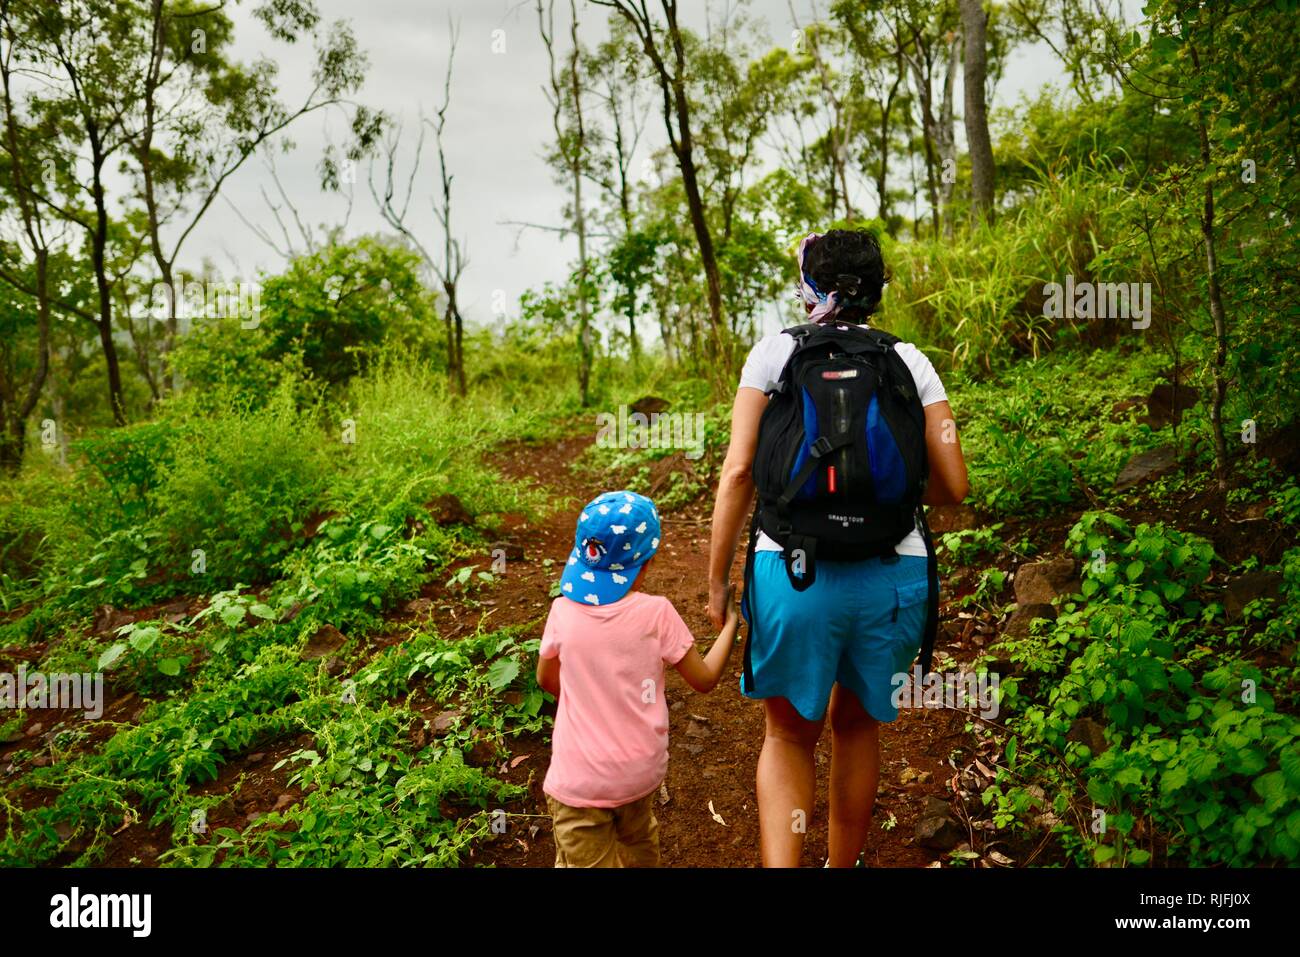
<point>715,738</point>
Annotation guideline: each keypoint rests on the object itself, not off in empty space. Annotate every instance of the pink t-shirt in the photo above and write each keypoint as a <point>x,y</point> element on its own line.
<point>610,743</point>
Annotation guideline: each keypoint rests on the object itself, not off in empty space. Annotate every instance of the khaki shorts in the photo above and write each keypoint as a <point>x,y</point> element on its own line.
<point>626,836</point>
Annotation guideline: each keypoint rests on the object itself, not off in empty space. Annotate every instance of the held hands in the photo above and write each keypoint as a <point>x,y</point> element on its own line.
<point>733,610</point>
<point>719,599</point>
<point>723,612</point>
<point>702,672</point>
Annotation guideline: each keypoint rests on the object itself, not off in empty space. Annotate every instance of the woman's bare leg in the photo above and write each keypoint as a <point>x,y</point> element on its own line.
<point>787,786</point>
<point>855,773</point>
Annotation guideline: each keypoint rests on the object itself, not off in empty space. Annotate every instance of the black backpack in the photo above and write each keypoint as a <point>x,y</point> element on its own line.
<point>841,463</point>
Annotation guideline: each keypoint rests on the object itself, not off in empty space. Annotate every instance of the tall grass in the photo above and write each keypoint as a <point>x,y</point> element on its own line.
<point>977,300</point>
<point>221,493</point>
<point>412,441</point>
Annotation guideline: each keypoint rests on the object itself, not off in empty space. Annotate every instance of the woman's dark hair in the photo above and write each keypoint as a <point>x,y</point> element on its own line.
<point>848,260</point>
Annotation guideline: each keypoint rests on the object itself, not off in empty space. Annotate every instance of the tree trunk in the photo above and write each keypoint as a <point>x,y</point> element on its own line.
<point>99,241</point>
<point>13,443</point>
<point>144,153</point>
<point>921,80</point>
<point>1220,324</point>
<point>677,124</point>
<point>1216,307</point>
<point>975,60</point>
<point>579,217</point>
<point>882,172</point>
<point>625,209</point>
<point>946,139</point>
<point>700,225</point>
<point>839,134</point>
<point>460,350</point>
<point>455,346</point>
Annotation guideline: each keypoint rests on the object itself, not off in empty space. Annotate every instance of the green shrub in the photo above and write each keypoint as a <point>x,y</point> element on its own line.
<point>236,494</point>
<point>1195,750</point>
<point>325,318</point>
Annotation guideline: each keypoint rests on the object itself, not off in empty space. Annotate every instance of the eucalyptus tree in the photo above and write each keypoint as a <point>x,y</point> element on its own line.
<point>664,44</point>
<point>974,25</point>
<point>614,81</point>
<point>144,115</point>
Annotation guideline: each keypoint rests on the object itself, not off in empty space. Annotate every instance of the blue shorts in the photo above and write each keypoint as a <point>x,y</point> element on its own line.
<point>859,624</point>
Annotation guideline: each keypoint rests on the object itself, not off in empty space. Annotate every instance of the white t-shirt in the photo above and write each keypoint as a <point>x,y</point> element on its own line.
<point>763,369</point>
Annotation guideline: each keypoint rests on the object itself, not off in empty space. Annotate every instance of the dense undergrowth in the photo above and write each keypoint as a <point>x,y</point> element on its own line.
<point>277,498</point>
<point>1148,722</point>
<point>301,531</point>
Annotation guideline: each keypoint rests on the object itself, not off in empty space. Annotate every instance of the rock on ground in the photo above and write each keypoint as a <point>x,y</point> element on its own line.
<point>951,518</point>
<point>1146,466</point>
<point>1240,592</point>
<point>1039,582</point>
<point>1017,625</point>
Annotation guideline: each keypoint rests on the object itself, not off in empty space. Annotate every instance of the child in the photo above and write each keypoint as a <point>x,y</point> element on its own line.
<point>603,653</point>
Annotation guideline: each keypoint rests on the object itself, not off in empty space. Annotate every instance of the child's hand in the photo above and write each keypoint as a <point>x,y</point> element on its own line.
<point>703,672</point>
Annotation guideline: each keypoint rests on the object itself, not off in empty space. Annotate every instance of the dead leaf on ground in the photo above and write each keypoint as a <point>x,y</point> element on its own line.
<point>716,816</point>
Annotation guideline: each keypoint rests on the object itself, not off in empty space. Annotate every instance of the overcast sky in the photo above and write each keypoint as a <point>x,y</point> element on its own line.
<point>497,128</point>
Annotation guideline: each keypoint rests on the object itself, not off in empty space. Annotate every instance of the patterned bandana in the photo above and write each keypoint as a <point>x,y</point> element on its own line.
<point>825,305</point>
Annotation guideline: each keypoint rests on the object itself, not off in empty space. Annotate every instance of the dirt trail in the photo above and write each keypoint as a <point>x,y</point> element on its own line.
<point>714,739</point>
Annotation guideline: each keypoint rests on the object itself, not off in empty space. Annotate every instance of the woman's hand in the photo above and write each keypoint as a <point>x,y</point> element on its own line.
<point>720,599</point>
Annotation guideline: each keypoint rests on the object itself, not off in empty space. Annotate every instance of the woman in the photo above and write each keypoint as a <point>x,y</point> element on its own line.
<point>834,647</point>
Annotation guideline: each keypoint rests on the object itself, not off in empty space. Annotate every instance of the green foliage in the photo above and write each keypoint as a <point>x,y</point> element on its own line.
<point>351,572</point>
<point>1195,749</point>
<point>372,799</point>
<point>238,490</point>
<point>1045,430</point>
<point>965,547</point>
<point>339,306</point>
<point>326,317</point>
<point>410,445</point>
<point>148,656</point>
<point>131,461</point>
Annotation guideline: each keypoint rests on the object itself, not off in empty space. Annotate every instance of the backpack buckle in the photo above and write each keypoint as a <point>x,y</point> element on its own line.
<point>821,447</point>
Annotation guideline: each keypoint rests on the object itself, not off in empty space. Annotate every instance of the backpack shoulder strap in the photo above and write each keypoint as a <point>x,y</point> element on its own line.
<point>799,334</point>
<point>881,336</point>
